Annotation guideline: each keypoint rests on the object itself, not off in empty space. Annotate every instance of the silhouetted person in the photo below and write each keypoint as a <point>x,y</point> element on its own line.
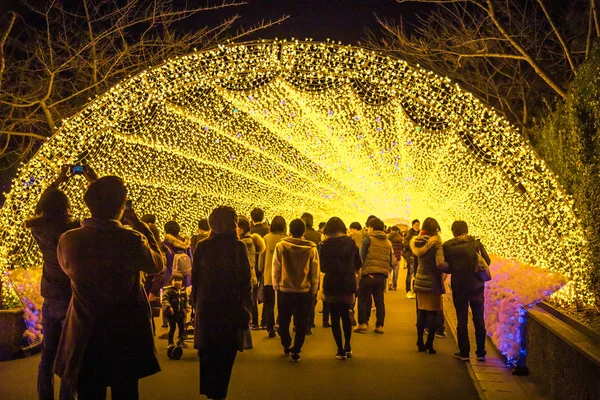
<point>339,258</point>
<point>467,288</point>
<point>222,295</point>
<point>107,338</point>
<point>52,220</point>
<point>203,232</point>
<point>278,232</point>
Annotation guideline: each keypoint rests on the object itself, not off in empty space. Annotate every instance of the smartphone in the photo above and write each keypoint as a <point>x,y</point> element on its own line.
<point>128,204</point>
<point>77,170</point>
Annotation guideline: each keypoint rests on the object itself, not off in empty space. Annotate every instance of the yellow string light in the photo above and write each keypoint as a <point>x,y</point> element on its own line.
<point>294,126</point>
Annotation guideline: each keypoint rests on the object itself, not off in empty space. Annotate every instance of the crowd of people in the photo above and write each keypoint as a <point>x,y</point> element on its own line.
<point>106,277</point>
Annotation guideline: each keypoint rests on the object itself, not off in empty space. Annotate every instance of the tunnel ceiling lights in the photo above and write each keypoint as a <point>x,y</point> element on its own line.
<point>294,126</point>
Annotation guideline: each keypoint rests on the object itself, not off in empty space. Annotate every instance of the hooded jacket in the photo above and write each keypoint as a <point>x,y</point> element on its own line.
<point>296,266</point>
<point>429,251</point>
<point>461,255</point>
<point>377,255</point>
<point>340,261</point>
<point>55,284</point>
<point>255,245</point>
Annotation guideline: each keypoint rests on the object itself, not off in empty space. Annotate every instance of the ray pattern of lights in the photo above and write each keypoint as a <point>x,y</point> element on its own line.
<point>303,126</point>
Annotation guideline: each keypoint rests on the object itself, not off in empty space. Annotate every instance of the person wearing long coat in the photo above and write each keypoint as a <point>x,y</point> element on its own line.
<point>340,262</point>
<point>107,336</point>
<point>222,295</point>
<point>429,281</point>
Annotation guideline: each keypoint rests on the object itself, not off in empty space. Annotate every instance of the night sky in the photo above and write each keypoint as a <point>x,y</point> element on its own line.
<point>339,20</point>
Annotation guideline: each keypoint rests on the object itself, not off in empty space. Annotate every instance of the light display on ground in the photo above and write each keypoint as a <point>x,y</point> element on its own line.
<point>302,126</point>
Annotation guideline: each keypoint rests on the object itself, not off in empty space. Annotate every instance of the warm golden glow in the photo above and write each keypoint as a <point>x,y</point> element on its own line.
<point>303,126</point>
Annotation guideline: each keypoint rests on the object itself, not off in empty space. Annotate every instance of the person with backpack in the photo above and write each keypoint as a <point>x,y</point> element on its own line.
<point>179,253</point>
<point>467,289</point>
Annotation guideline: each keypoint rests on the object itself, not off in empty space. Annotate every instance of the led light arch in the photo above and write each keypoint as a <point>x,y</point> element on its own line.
<point>293,126</point>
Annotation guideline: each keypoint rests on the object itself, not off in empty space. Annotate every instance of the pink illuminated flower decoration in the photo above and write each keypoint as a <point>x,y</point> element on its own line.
<point>514,287</point>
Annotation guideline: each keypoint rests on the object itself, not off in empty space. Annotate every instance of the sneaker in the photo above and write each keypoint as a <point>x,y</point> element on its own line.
<point>362,328</point>
<point>254,327</point>
<point>182,344</point>
<point>349,354</point>
<point>441,334</point>
<point>272,334</point>
<point>461,357</point>
<point>379,330</point>
<point>263,327</point>
<point>480,358</point>
<point>170,345</point>
<point>295,357</point>
<point>410,295</point>
<point>287,351</point>
<point>341,355</point>
<point>326,324</point>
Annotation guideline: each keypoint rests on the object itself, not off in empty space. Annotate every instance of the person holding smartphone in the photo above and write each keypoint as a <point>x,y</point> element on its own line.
<point>108,338</point>
<point>53,218</point>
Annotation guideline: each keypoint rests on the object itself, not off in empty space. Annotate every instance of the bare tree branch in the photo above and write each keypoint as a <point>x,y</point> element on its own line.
<point>63,53</point>
<point>3,38</point>
<point>558,36</point>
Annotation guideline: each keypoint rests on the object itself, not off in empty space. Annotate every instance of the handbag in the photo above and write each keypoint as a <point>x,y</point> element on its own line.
<point>482,269</point>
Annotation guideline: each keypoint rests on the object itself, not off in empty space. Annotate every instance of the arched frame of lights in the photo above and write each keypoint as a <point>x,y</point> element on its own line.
<point>292,126</point>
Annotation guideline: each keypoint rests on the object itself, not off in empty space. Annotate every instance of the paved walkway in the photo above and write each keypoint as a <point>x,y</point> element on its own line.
<point>492,379</point>
<point>384,366</point>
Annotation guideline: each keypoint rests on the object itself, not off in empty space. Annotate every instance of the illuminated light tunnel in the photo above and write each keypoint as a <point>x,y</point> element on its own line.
<point>294,126</point>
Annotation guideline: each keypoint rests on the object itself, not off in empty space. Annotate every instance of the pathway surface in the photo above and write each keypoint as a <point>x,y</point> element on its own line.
<point>384,366</point>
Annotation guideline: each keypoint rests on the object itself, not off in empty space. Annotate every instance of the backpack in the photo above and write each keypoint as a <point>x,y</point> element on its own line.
<point>182,264</point>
